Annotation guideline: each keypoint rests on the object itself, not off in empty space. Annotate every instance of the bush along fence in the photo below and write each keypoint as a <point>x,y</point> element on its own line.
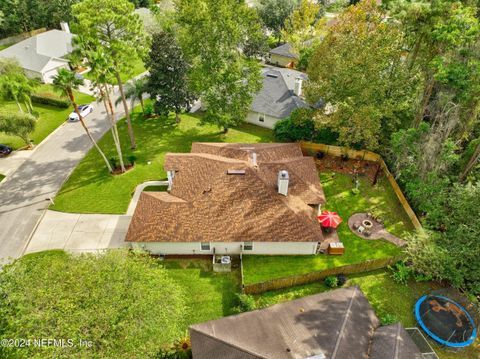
<point>311,149</point>
<point>287,282</point>
<point>50,99</point>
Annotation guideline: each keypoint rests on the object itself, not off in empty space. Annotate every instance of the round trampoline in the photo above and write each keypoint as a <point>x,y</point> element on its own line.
<point>445,321</point>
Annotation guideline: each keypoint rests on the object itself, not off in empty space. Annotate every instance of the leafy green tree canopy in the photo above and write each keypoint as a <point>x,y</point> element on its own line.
<point>274,13</point>
<point>124,304</point>
<point>167,82</point>
<point>18,124</point>
<point>213,35</point>
<point>358,70</point>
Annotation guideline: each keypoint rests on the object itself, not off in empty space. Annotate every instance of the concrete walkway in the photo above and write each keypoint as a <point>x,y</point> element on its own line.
<point>79,232</point>
<point>138,192</point>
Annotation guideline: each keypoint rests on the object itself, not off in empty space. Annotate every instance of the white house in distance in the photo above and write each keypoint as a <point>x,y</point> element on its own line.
<point>42,55</point>
<point>232,198</point>
<point>280,95</point>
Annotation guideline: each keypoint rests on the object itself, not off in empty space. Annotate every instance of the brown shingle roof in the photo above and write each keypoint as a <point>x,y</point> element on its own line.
<point>206,204</point>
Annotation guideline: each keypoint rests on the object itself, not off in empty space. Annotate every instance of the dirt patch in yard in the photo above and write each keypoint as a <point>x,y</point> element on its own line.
<point>348,166</point>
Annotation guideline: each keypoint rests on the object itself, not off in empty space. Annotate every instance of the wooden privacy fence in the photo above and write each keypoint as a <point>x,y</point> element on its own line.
<point>312,148</point>
<point>287,282</point>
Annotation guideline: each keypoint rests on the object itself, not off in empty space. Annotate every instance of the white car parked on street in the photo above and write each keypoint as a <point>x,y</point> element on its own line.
<point>84,111</point>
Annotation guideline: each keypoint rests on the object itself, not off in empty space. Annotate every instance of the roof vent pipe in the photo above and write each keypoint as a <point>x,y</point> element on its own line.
<point>64,26</point>
<point>282,182</point>
<point>298,86</point>
<point>170,177</point>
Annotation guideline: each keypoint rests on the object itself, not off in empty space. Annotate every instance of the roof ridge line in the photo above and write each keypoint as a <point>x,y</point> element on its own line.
<point>344,323</point>
<point>395,355</point>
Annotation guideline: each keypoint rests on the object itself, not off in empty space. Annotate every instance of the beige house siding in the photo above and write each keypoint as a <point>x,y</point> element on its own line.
<point>280,60</point>
<point>277,248</point>
<point>269,122</point>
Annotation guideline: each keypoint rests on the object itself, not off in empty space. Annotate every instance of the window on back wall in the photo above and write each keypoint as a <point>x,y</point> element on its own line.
<point>205,246</point>
<point>248,246</point>
<point>261,117</point>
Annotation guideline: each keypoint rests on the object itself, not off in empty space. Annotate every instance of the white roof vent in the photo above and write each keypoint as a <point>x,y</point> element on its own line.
<point>254,159</point>
<point>282,182</point>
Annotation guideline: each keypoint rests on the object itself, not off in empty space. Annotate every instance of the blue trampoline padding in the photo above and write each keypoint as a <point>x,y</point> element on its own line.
<point>441,341</point>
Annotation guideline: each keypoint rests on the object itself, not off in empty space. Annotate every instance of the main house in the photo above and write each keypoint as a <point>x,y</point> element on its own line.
<point>42,55</point>
<point>230,199</point>
<point>280,95</point>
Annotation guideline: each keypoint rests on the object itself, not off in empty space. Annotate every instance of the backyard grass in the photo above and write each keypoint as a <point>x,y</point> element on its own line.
<point>385,296</point>
<point>380,199</point>
<point>337,188</point>
<point>50,118</point>
<point>209,295</point>
<point>1,177</point>
<point>91,189</point>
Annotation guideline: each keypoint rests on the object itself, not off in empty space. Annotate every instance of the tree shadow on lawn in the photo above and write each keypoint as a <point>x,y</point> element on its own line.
<point>209,295</point>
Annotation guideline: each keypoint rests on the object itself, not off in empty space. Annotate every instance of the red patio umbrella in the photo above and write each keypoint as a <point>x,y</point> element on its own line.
<point>329,219</point>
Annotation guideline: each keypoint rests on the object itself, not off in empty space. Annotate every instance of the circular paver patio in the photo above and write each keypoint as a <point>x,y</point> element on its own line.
<point>377,231</point>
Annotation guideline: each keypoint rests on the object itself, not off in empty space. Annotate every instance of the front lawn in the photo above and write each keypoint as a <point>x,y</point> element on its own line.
<point>337,188</point>
<point>50,118</point>
<point>91,189</point>
<point>385,296</point>
<point>1,177</point>
<point>209,295</point>
<point>138,68</point>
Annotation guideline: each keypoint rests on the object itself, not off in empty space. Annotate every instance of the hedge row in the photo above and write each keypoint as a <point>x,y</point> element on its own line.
<point>50,99</point>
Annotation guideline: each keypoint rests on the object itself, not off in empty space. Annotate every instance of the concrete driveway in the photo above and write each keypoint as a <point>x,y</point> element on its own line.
<point>79,232</point>
<point>24,193</point>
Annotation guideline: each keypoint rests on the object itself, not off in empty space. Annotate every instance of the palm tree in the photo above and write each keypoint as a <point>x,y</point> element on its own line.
<point>65,82</point>
<point>101,70</point>
<point>19,88</point>
<point>134,90</point>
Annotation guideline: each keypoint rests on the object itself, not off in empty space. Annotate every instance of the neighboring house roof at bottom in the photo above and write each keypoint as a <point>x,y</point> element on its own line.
<point>275,99</point>
<point>337,324</point>
<point>393,341</point>
<point>285,50</point>
<point>207,204</point>
<point>35,52</point>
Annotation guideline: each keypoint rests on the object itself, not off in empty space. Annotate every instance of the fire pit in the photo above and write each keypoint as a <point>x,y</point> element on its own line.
<point>367,223</point>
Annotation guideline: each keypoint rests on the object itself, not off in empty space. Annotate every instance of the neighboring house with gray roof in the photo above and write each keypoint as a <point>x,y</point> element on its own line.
<point>283,55</point>
<point>41,56</point>
<point>280,95</point>
<point>339,324</point>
